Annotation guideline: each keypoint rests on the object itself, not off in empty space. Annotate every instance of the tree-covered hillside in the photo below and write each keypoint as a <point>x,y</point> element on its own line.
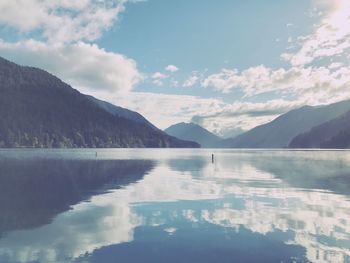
<point>332,134</point>
<point>39,110</point>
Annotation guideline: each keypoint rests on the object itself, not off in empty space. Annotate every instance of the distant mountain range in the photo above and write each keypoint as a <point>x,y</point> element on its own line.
<point>280,133</point>
<point>332,134</point>
<point>39,110</point>
<point>194,132</point>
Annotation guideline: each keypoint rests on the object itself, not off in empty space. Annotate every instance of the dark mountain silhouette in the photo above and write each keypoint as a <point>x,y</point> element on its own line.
<point>194,132</point>
<point>332,134</point>
<point>39,110</point>
<point>280,132</point>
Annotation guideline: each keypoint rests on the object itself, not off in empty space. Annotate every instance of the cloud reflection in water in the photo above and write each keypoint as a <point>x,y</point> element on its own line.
<point>299,193</point>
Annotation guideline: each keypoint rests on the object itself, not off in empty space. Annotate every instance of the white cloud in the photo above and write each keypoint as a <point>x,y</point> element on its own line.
<point>171,68</point>
<point>158,78</point>
<point>253,81</point>
<point>335,65</point>
<point>159,75</point>
<point>84,66</point>
<point>62,20</point>
<point>158,82</point>
<point>330,39</point>
<point>296,80</point>
<point>191,81</point>
<point>249,80</point>
<point>174,83</point>
<point>309,85</point>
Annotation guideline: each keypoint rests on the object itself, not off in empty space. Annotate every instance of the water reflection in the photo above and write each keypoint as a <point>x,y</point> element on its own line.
<point>33,191</point>
<point>277,206</point>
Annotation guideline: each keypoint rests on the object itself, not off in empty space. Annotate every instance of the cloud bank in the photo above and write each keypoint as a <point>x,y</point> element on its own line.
<point>58,38</point>
<point>82,65</point>
<point>62,20</point>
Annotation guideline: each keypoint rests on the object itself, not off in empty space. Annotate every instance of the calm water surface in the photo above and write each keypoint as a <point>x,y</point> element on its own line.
<point>174,206</point>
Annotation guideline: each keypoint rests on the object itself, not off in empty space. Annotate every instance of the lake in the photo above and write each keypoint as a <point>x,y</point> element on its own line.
<point>149,205</point>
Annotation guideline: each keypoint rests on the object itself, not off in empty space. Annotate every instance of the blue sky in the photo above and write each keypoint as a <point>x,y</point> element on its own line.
<point>225,64</point>
<point>206,36</point>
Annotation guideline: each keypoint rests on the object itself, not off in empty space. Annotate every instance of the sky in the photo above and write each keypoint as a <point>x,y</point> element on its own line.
<point>228,65</point>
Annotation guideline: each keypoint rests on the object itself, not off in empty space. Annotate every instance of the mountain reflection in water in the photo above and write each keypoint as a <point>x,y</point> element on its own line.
<point>174,206</point>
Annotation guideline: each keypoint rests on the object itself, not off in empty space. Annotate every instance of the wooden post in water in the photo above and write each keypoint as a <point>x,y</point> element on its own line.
<point>212,158</point>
